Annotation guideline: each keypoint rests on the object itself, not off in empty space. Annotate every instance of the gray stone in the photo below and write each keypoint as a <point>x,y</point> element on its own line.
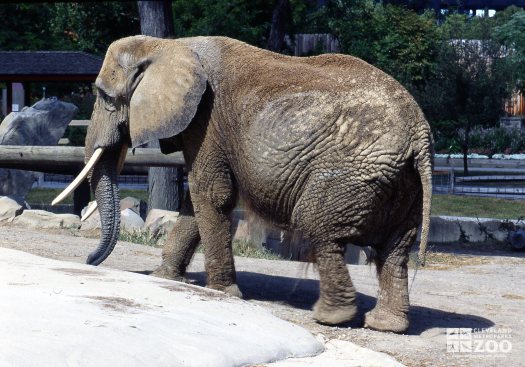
<point>160,221</point>
<point>138,206</point>
<point>9,209</point>
<point>43,219</point>
<point>130,221</point>
<point>93,222</point>
<point>451,230</point>
<point>444,231</point>
<point>42,124</point>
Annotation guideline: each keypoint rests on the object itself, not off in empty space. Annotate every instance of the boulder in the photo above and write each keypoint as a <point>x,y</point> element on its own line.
<point>160,221</point>
<point>93,222</point>
<point>42,124</point>
<point>130,221</point>
<point>43,219</point>
<point>9,209</point>
<point>138,206</point>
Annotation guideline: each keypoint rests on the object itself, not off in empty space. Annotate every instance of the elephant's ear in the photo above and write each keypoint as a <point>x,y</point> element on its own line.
<point>166,98</point>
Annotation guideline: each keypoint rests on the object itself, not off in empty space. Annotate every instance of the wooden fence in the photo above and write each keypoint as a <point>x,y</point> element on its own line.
<point>70,160</point>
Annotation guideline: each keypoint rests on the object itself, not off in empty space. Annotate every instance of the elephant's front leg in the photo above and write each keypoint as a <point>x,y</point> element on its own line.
<point>391,310</point>
<point>213,208</point>
<point>180,244</point>
<point>336,302</point>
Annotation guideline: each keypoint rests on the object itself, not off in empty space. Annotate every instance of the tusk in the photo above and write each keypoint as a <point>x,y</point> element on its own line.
<point>122,158</point>
<point>81,177</point>
<point>90,210</point>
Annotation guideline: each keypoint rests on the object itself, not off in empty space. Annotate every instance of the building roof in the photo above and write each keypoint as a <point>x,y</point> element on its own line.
<point>51,64</point>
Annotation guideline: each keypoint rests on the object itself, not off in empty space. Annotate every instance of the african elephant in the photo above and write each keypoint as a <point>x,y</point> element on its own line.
<point>326,145</point>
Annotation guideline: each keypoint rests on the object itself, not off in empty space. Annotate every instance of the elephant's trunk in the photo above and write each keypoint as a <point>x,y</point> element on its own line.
<point>104,185</point>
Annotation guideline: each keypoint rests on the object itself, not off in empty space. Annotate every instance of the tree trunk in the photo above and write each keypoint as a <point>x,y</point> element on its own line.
<point>466,143</point>
<point>156,18</point>
<point>164,184</point>
<point>281,14</point>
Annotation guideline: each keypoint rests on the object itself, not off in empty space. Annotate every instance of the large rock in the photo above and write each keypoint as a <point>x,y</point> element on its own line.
<point>42,124</point>
<point>138,206</point>
<point>43,219</point>
<point>452,230</point>
<point>130,220</point>
<point>160,221</point>
<point>9,209</point>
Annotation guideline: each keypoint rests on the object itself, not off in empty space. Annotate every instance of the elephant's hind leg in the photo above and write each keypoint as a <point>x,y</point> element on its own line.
<point>391,310</point>
<point>336,302</point>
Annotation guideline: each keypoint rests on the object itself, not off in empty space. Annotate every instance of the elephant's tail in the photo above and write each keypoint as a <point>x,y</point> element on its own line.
<point>424,162</point>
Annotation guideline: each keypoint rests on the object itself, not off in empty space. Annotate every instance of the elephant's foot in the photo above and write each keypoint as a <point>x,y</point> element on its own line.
<point>384,320</point>
<point>167,272</point>
<point>333,315</point>
<point>232,290</point>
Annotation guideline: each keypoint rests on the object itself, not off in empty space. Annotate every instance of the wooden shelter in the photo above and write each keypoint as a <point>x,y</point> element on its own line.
<point>45,66</point>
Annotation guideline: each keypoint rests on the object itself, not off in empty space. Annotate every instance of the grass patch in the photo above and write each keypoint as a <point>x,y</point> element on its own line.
<point>142,237</point>
<point>45,196</point>
<point>482,207</point>
<point>240,248</point>
<point>247,249</point>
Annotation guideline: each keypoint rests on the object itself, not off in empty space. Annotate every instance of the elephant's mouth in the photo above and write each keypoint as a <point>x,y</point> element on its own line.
<point>103,169</point>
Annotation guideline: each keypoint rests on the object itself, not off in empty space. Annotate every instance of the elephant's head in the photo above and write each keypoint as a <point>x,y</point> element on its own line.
<point>148,89</point>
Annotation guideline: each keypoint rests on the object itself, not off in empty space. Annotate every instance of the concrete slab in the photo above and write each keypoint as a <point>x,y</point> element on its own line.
<point>55,313</point>
<point>341,353</point>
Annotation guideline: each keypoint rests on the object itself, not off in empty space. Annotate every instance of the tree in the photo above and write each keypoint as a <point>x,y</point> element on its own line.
<point>91,27</point>
<point>281,15</point>
<point>156,18</point>
<point>473,77</point>
<point>248,21</point>
<point>512,35</point>
<point>165,185</point>
<point>396,40</point>
<point>25,27</point>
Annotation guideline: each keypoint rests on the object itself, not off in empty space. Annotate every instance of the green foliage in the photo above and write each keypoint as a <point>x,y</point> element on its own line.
<point>91,27</point>
<point>25,27</point>
<point>308,18</point>
<point>87,27</point>
<point>512,35</point>
<point>76,135</point>
<point>397,40</point>
<point>472,78</point>
<point>248,21</point>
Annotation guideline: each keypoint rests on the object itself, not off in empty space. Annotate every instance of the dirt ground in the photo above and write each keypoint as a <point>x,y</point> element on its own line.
<point>461,287</point>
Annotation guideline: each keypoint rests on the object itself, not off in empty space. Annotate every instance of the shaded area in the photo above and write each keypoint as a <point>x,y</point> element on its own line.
<point>302,294</point>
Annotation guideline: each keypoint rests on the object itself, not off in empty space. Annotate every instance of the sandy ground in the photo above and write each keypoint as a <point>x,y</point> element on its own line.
<point>460,288</point>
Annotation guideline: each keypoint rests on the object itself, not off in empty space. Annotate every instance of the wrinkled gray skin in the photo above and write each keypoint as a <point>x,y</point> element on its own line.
<point>326,145</point>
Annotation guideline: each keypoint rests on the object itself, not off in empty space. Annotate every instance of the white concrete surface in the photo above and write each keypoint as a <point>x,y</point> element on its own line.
<point>341,353</point>
<point>55,313</point>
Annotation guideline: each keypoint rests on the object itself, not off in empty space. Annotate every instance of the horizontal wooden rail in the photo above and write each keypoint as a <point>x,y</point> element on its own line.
<point>79,122</point>
<point>494,178</point>
<point>69,160</point>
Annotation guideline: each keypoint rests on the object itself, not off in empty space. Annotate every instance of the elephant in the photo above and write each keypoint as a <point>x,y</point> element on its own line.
<point>328,145</point>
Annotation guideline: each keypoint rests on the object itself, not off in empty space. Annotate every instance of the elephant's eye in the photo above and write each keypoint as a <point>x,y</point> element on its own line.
<point>108,102</point>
